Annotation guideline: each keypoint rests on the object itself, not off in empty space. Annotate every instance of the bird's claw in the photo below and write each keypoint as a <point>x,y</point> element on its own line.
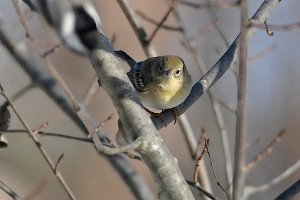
<point>159,115</point>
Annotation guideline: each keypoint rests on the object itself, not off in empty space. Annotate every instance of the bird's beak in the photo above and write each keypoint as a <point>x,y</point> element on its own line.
<point>168,73</point>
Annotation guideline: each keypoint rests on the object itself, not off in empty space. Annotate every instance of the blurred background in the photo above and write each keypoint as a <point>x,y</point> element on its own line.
<point>273,100</point>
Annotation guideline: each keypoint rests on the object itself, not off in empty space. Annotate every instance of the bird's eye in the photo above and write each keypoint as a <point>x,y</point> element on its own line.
<point>177,72</point>
<point>160,68</point>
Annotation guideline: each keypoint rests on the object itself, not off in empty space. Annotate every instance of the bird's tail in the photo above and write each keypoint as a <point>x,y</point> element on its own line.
<point>124,56</point>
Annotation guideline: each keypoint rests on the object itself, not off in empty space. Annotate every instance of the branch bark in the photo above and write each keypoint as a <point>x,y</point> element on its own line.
<point>135,122</point>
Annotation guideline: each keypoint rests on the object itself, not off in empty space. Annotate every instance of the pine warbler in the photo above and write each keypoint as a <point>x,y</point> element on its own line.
<point>162,82</point>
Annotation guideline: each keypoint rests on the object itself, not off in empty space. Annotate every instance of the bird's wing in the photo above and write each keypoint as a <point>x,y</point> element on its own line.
<point>131,62</point>
<point>136,77</point>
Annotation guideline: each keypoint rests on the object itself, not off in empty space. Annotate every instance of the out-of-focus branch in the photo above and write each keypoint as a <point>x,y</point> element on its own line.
<point>290,192</point>
<point>266,151</point>
<point>33,67</point>
<point>152,21</point>
<point>51,134</point>
<point>48,64</point>
<point>251,190</point>
<point>37,190</point>
<point>241,124</point>
<point>5,188</point>
<point>40,147</point>
<point>94,85</point>
<point>161,23</point>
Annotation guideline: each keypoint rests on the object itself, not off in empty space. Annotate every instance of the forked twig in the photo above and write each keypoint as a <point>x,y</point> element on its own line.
<point>161,22</point>
<point>39,146</point>
<point>206,149</point>
<point>48,64</point>
<point>154,22</point>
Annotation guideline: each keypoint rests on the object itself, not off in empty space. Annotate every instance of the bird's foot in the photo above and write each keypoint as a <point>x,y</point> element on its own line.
<point>175,114</point>
<point>159,115</point>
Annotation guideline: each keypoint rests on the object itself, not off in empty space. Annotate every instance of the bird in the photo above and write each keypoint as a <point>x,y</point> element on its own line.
<point>161,82</point>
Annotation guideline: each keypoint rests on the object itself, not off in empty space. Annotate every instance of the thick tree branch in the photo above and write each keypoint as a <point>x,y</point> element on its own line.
<point>36,71</point>
<point>135,122</point>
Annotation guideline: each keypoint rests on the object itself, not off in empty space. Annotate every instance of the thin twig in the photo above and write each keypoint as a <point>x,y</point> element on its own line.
<point>269,32</point>
<point>51,50</point>
<point>9,191</point>
<point>5,188</point>
<point>200,141</point>
<point>42,126</point>
<point>44,133</point>
<point>208,5</point>
<point>23,91</point>
<point>205,149</point>
<point>251,190</point>
<point>204,29</point>
<point>40,147</point>
<point>214,169</point>
<point>228,105</point>
<point>284,27</point>
<point>202,190</point>
<point>114,150</point>
<point>152,21</point>
<point>41,77</point>
<point>241,127</point>
<point>265,152</point>
<point>80,139</point>
<point>190,139</point>
<point>22,19</point>
<point>262,53</point>
<point>110,117</point>
<point>161,22</point>
<point>58,162</point>
<point>196,171</point>
<point>48,64</point>
<point>93,87</point>
<point>213,15</point>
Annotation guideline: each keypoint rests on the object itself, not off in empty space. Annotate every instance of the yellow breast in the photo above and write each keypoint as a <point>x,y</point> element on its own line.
<point>165,96</point>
